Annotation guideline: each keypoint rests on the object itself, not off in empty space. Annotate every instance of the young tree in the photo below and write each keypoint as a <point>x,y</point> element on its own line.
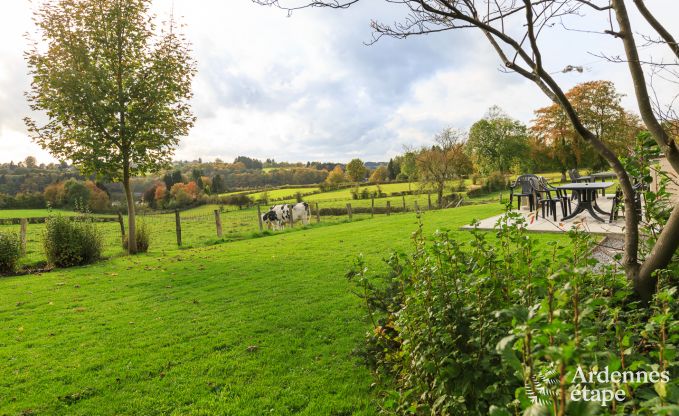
<point>336,176</point>
<point>409,165</point>
<point>379,175</point>
<point>356,170</point>
<point>513,28</point>
<point>443,161</point>
<point>116,93</point>
<point>497,142</point>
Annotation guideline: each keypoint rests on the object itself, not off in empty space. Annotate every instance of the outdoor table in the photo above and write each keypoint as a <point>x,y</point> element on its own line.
<point>587,193</point>
<point>603,176</point>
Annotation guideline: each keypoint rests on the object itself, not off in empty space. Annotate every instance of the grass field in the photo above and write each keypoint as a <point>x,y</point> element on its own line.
<point>261,326</point>
<point>31,213</point>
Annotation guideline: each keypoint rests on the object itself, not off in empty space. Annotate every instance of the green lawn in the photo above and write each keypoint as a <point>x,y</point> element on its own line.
<point>260,326</point>
<point>286,193</point>
<point>31,213</point>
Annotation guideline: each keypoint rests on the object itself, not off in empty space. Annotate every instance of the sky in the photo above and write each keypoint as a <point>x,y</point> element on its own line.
<point>307,87</point>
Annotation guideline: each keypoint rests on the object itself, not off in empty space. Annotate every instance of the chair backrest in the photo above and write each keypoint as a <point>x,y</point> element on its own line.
<point>542,185</point>
<point>574,174</point>
<point>528,183</point>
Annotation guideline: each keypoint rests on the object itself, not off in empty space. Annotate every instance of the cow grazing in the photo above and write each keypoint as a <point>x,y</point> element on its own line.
<point>271,220</point>
<point>301,212</point>
<point>279,215</point>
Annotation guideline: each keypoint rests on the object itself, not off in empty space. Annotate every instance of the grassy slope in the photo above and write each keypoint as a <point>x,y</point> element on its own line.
<point>31,213</point>
<point>168,332</point>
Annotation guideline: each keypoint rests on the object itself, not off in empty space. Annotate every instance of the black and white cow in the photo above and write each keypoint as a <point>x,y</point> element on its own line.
<point>279,215</point>
<point>301,212</point>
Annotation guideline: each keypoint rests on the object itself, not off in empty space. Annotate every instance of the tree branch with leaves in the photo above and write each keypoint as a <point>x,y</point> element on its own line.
<point>114,87</point>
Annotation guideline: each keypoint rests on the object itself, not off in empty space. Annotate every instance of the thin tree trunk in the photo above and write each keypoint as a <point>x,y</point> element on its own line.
<point>131,217</point>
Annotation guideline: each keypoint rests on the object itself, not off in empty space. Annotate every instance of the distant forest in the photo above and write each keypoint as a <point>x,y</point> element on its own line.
<point>24,184</point>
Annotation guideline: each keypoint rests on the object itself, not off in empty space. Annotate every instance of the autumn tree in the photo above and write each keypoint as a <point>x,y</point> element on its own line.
<point>114,89</point>
<point>379,175</point>
<point>515,31</point>
<point>356,170</point>
<point>497,142</point>
<point>336,176</point>
<point>443,161</point>
<point>598,104</point>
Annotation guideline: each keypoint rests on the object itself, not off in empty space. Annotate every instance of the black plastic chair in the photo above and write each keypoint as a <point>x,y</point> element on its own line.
<point>528,187</point>
<point>577,178</point>
<point>618,201</point>
<point>550,196</point>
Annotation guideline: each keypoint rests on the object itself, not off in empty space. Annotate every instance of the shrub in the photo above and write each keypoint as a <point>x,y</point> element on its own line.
<point>10,252</point>
<point>464,328</point>
<point>143,237</point>
<point>242,200</point>
<point>71,242</point>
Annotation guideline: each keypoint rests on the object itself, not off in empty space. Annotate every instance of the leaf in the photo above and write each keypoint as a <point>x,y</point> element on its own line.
<point>661,388</point>
<point>498,411</point>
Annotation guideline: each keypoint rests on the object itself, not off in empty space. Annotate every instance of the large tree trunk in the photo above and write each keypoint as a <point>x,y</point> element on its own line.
<point>668,242</point>
<point>131,220</point>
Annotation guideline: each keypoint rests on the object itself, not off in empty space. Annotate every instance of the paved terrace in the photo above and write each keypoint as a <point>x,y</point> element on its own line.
<point>582,221</point>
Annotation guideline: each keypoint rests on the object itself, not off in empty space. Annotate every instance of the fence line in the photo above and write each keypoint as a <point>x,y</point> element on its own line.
<point>187,229</point>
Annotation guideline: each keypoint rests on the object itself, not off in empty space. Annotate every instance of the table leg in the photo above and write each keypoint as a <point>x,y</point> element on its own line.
<point>578,209</point>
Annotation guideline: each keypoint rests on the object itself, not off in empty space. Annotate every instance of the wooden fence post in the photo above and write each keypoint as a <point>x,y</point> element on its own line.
<point>24,225</point>
<point>259,218</point>
<point>218,223</point>
<point>404,202</point>
<point>122,227</point>
<point>372,207</point>
<point>318,214</point>
<point>178,223</point>
<point>429,201</point>
<point>349,213</point>
<point>388,208</point>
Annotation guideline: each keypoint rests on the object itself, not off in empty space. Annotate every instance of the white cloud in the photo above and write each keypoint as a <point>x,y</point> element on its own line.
<point>306,88</point>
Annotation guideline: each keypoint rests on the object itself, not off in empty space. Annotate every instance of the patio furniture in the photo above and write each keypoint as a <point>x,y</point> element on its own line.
<point>577,178</point>
<point>603,176</point>
<point>527,185</point>
<point>549,196</point>
<point>619,198</point>
<point>586,194</point>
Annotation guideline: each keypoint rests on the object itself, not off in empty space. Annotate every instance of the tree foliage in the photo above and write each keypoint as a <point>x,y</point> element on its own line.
<point>443,161</point>
<point>599,107</point>
<point>356,170</point>
<point>115,91</point>
<point>497,142</point>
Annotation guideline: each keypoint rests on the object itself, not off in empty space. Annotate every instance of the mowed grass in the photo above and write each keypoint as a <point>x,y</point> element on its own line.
<point>260,326</point>
<point>32,213</point>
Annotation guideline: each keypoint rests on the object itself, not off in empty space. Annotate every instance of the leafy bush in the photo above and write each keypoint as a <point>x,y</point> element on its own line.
<point>10,252</point>
<point>71,242</point>
<point>464,328</point>
<point>143,237</point>
<point>242,200</point>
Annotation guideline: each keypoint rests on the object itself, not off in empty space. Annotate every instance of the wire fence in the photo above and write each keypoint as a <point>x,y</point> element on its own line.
<point>207,224</point>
